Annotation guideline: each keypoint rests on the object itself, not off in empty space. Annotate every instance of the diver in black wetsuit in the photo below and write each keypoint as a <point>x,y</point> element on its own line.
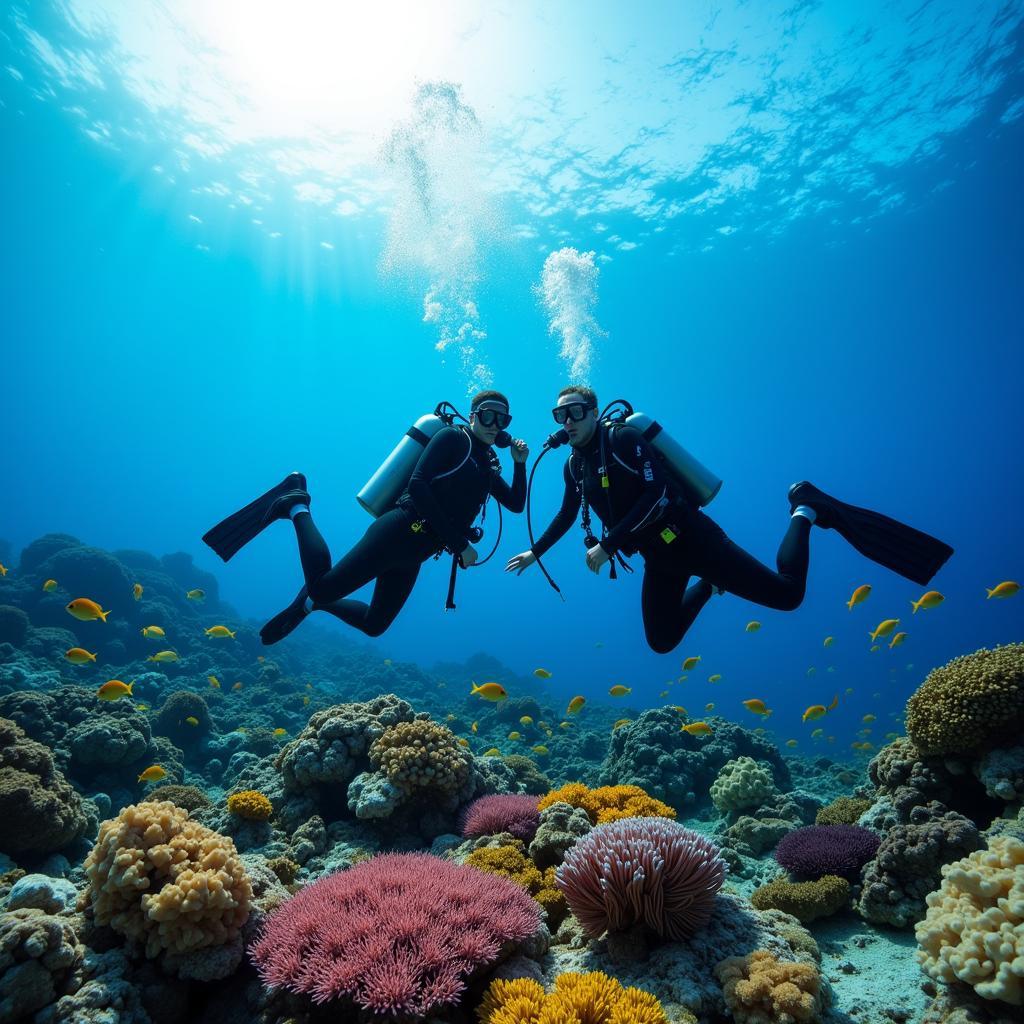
<point>613,473</point>
<point>455,475</point>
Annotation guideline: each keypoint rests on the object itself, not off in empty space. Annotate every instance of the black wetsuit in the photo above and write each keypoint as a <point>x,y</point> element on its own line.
<point>642,511</point>
<point>452,480</point>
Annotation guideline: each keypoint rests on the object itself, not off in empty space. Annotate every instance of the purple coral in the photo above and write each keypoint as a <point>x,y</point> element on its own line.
<point>648,870</point>
<point>502,812</point>
<point>395,934</point>
<point>818,850</point>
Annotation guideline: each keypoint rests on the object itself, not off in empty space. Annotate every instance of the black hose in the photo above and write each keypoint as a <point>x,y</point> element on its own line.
<point>529,522</point>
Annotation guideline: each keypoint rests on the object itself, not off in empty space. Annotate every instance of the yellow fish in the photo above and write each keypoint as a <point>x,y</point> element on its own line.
<point>790,743</point>
<point>154,773</point>
<point>835,702</point>
<point>897,639</point>
<point>142,707</point>
<point>709,707</point>
<point>114,689</point>
<point>305,700</point>
<point>811,671</point>
<point>691,663</point>
<point>49,586</point>
<point>196,595</point>
<point>220,631</point>
<point>817,733</point>
<point>137,591</point>
<point>3,569</point>
<point>236,686</point>
<point>829,640</point>
<point>1005,589</point>
<point>192,720</point>
<point>875,647</point>
<point>753,627</point>
<point>493,752</point>
<point>619,690</point>
<point>565,725</point>
<point>697,729</point>
<point>868,718</point>
<point>849,690</point>
<point>526,720</point>
<point>679,708</point>
<point>620,723</point>
<point>813,712</point>
<point>387,661</point>
<point>515,735</point>
<point>930,599</point>
<point>542,673</point>
<point>757,706</point>
<point>473,727</point>
<point>682,679</point>
<point>78,656</point>
<point>664,693</point>
<point>280,732</point>
<point>85,610</point>
<point>859,595</point>
<point>489,691</point>
<point>884,628</point>
<point>540,749</point>
<point>575,704</point>
<point>214,682</point>
<point>163,656</point>
<point>152,631</point>
<point>714,678</point>
<point>462,741</point>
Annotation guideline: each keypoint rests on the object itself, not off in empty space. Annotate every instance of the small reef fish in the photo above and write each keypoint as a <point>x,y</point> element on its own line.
<point>829,641</point>
<point>664,693</point>
<point>462,741</point>
<point>715,677</point>
<point>753,626</point>
<point>791,743</point>
<point>78,656</point>
<point>515,735</point>
<point>565,725</point>
<point>691,663</point>
<point>831,668</point>
<point>85,610</point>
<point>540,749</point>
<point>280,732</point>
<point>1005,589</point>
<point>153,632</point>
<point>859,596</point>
<point>137,591</point>
<point>709,707</point>
<point>473,727</point>
<point>897,639</point>
<point>679,708</point>
<point>220,631</point>
<point>489,691</point>
<point>450,717</point>
<point>835,702</point>
<point>236,686</point>
<point>526,720</point>
<point>868,718</point>
<point>619,723</point>
<point>811,671</point>
<point>163,656</point>
<point>697,729</point>
<point>575,704</point>
<point>817,733</point>
<point>930,599</point>
<point>154,773</point>
<point>682,679</point>
<point>542,673</point>
<point>493,752</point>
<point>141,707</point>
<point>875,647</point>
<point>114,689</point>
<point>3,569</point>
<point>196,595</point>
<point>387,661</point>
<point>214,682</point>
<point>192,720</point>
<point>849,690</point>
<point>49,586</point>
<point>757,706</point>
<point>620,691</point>
<point>305,700</point>
<point>884,628</point>
<point>813,712</point>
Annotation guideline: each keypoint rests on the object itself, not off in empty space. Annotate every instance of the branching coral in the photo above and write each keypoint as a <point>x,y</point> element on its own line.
<point>608,803</point>
<point>759,989</point>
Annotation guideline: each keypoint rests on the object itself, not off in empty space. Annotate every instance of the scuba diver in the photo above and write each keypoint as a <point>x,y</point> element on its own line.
<point>615,471</point>
<point>450,483</point>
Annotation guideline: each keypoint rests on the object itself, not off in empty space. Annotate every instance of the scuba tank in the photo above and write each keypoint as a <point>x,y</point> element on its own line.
<point>384,488</point>
<point>697,482</point>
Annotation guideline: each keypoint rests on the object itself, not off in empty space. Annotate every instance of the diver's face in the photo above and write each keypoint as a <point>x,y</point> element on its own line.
<point>580,432</point>
<point>487,433</point>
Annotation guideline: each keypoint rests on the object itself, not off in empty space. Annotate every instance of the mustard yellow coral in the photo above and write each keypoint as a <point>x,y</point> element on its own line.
<point>608,803</point>
<point>421,754</point>
<point>969,703</point>
<point>509,862</point>
<point>804,900</point>
<point>592,998</point>
<point>759,989</point>
<point>250,804</point>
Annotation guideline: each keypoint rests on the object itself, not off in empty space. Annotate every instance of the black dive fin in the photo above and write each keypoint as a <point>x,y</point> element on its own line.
<point>285,621</point>
<point>232,534</point>
<point>915,555</point>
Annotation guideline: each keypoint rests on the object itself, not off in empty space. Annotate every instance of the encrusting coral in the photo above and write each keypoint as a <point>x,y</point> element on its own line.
<point>420,754</point>
<point>608,803</point>
<point>250,804</point>
<point>844,810</point>
<point>759,989</point>
<point>165,881</point>
<point>806,901</point>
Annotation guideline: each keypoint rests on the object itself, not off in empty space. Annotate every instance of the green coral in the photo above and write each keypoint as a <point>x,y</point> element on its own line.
<point>806,901</point>
<point>742,783</point>
<point>844,810</point>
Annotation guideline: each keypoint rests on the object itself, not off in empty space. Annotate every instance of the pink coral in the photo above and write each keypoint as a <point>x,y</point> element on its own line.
<point>648,870</point>
<point>502,812</point>
<point>396,934</point>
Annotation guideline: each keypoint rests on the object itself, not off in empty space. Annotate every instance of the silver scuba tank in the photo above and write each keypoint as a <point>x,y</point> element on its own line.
<point>383,489</point>
<point>698,483</point>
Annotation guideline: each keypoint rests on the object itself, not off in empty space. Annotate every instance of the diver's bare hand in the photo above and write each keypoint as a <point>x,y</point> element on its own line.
<point>520,450</point>
<point>468,556</point>
<point>596,557</point>
<point>521,562</point>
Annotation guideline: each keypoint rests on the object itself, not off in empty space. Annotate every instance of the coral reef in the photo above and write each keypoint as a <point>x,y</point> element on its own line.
<point>806,901</point>
<point>561,825</point>
<point>818,850</point>
<point>191,798</point>
<point>528,776</point>
<point>759,989</point>
<point>37,952</point>
<point>510,862</point>
<point>515,813</point>
<point>250,804</point>
<point>1001,772</point>
<point>420,755</point>
<point>742,783</point>
<point>844,810</point>
<point>608,803</point>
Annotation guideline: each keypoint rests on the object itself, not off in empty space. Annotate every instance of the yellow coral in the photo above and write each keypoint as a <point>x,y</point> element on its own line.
<point>759,989</point>
<point>161,879</point>
<point>973,930</point>
<point>608,803</point>
<point>421,754</point>
<point>250,804</point>
<point>806,901</point>
<point>592,998</point>
<point>509,862</point>
<point>964,705</point>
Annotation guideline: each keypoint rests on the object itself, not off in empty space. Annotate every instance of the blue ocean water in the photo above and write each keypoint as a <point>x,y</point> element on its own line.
<point>234,243</point>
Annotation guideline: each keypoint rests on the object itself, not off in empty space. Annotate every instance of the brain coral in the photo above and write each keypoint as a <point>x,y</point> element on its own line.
<point>969,704</point>
<point>819,850</point>
<point>421,754</point>
<point>742,783</point>
<point>515,813</point>
<point>806,901</point>
<point>162,880</point>
<point>40,810</point>
<point>398,934</point>
<point>648,870</point>
<point>973,930</point>
<point>762,990</point>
